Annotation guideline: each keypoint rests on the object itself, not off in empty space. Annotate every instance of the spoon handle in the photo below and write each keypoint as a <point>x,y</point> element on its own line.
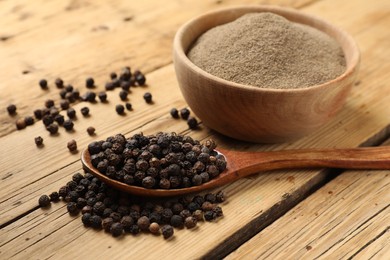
<point>246,163</point>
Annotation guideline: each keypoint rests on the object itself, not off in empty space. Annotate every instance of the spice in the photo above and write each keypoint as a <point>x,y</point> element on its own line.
<point>59,119</point>
<point>43,83</point>
<point>44,201</point>
<point>91,130</point>
<point>120,109</point>
<point>11,109</point>
<point>54,196</point>
<point>71,113</point>
<point>192,123</point>
<point>89,82</point>
<point>123,95</point>
<point>84,111</point>
<point>140,78</point>
<point>129,106</point>
<point>68,125</point>
<point>167,231</point>
<point>143,223</point>
<point>72,208</point>
<point>20,124</point>
<point>154,228</point>
<point>29,120</point>
<point>113,75</point>
<point>174,113</point>
<point>185,113</point>
<point>49,103</point>
<point>72,145</point>
<point>102,96</point>
<point>268,51</point>
<point>38,140</point>
<point>64,104</point>
<point>190,222</point>
<point>59,83</point>
<point>52,128</point>
<point>148,97</point>
<point>177,221</point>
<point>38,113</point>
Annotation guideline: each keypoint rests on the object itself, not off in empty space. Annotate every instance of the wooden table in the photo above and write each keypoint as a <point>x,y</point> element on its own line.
<point>293,214</point>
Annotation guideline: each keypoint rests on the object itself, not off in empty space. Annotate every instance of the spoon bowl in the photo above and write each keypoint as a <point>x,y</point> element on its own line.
<point>243,164</point>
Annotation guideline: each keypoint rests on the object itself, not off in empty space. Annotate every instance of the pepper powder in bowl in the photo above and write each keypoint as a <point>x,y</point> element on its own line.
<point>262,73</point>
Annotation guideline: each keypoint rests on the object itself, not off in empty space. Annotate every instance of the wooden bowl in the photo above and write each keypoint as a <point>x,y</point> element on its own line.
<point>260,114</point>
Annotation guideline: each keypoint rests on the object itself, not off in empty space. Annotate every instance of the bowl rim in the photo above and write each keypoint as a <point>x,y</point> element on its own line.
<point>181,53</point>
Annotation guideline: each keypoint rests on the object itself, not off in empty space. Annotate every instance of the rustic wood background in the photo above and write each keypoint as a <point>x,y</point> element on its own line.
<point>280,214</point>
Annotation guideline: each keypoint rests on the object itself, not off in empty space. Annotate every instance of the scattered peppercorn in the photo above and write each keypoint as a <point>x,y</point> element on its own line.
<point>143,223</point>
<point>129,106</point>
<point>59,119</point>
<point>72,208</point>
<point>52,128</point>
<point>64,104</point>
<point>38,113</point>
<point>84,111</point>
<point>72,145</point>
<point>185,113</point>
<point>102,96</point>
<point>68,125</point>
<point>59,83</point>
<point>71,113</point>
<point>116,229</point>
<point>190,222</point>
<point>167,231</point>
<point>154,228</point>
<point>123,95</point>
<point>11,109</point>
<point>113,75</point>
<point>43,83</point>
<point>174,113</point>
<point>20,124</point>
<point>91,130</point>
<point>140,78</point>
<point>29,120</point>
<point>49,103</point>
<point>44,201</point>
<point>120,109</point>
<point>89,96</point>
<point>38,140</point>
<point>192,122</point>
<point>89,82</point>
<point>148,97</point>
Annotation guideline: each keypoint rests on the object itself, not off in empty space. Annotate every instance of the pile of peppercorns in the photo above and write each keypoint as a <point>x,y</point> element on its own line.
<point>118,213</point>
<point>164,160</point>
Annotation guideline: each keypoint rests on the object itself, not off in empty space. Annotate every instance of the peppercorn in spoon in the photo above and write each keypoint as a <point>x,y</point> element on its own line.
<point>243,164</point>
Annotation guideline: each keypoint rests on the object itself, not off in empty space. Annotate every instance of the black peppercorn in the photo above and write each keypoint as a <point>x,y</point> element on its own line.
<point>210,197</point>
<point>59,83</point>
<point>84,111</point>
<point>72,146</point>
<point>52,128</point>
<point>44,201</point>
<point>198,214</point>
<point>174,113</point>
<point>71,113</point>
<point>38,113</point>
<point>148,182</point>
<point>29,120</point>
<point>140,78</point>
<point>207,205</point>
<point>113,75</point>
<point>86,219</point>
<point>192,123</point>
<point>134,229</point>
<point>109,86</point>
<point>91,130</point>
<point>20,124</point>
<point>86,209</point>
<point>123,95</point>
<point>209,215</point>
<point>64,104</point>
<point>120,109</point>
<point>72,208</point>
<point>125,85</point>
<point>143,223</point>
<point>107,223</point>
<point>89,82</point>
<point>96,222</point>
<point>11,109</point>
<point>190,222</point>
<point>69,88</point>
<point>43,83</point>
<point>177,221</point>
<point>154,228</point>
<point>167,231</point>
<point>63,191</point>
<point>129,106</point>
<point>63,93</point>
<point>148,97</point>
<point>54,196</point>
<point>49,103</point>
<point>102,96</point>
<point>68,125</point>
<point>59,119</point>
<point>89,96</point>
<point>220,196</point>
<point>185,113</point>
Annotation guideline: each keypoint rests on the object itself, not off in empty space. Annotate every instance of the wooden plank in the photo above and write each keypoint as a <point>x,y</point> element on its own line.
<point>57,234</point>
<point>349,217</point>
<point>76,39</point>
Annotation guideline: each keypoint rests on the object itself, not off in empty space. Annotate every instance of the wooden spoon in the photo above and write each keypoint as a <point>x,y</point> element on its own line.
<point>243,164</point>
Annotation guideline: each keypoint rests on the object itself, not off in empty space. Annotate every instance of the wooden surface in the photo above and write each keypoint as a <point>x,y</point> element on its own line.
<point>276,215</point>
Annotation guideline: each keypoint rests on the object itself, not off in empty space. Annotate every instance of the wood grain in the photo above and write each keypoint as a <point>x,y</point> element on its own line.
<point>27,172</point>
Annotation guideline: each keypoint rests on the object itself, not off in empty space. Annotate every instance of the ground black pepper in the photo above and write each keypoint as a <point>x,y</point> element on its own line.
<point>11,109</point>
